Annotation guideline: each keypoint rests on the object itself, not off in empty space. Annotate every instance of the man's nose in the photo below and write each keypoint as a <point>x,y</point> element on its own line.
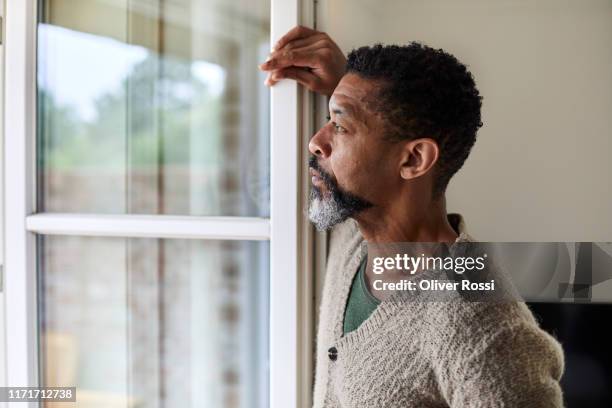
<point>319,144</point>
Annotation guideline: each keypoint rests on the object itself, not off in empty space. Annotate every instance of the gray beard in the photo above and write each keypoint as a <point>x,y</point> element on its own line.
<point>327,210</point>
<point>325,213</point>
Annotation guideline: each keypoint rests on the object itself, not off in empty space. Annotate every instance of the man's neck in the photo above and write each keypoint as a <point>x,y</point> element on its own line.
<point>407,223</point>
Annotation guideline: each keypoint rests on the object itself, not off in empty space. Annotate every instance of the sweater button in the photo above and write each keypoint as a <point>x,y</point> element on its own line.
<point>332,353</point>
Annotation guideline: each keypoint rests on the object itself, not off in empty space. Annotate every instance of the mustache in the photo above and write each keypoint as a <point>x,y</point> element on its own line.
<point>327,178</point>
<point>346,204</point>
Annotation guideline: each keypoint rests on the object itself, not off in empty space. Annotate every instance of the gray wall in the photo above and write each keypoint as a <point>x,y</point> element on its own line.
<point>540,169</point>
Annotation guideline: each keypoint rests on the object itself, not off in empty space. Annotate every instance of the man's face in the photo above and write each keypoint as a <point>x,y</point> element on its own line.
<point>353,168</point>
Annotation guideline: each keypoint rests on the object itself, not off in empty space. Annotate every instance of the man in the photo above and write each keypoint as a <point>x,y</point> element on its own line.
<point>403,120</point>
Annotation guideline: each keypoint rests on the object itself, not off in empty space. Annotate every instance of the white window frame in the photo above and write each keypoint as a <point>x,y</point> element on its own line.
<point>289,235</point>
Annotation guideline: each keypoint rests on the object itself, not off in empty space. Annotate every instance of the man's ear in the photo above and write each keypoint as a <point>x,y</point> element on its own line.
<point>418,156</point>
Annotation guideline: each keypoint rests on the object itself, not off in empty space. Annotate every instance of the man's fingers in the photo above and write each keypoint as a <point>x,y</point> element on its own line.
<point>310,56</point>
<point>302,75</point>
<point>303,42</point>
<point>293,34</point>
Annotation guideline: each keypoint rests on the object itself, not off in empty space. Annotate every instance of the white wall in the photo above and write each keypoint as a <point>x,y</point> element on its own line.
<point>541,168</point>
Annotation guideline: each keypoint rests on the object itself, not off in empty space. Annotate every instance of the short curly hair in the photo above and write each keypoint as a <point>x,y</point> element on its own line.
<point>425,93</point>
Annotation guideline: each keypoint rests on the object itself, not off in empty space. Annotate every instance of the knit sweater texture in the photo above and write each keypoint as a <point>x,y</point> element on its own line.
<point>429,354</point>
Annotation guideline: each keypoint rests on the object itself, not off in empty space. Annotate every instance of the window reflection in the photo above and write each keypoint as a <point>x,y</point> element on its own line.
<point>161,112</point>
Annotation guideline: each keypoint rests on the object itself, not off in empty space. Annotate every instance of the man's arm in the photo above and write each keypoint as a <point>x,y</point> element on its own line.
<point>515,365</point>
<point>307,56</point>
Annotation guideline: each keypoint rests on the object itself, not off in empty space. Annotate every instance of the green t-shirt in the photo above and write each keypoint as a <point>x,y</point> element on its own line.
<point>361,303</point>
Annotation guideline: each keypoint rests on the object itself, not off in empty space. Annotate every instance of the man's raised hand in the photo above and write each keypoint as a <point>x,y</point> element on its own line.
<point>308,56</point>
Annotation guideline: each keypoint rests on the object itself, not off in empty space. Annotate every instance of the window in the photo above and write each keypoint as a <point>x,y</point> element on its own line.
<point>153,212</point>
<point>153,114</point>
<point>148,322</point>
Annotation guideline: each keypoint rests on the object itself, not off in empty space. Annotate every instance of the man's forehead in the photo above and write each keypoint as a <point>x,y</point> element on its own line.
<point>351,94</point>
<point>343,104</point>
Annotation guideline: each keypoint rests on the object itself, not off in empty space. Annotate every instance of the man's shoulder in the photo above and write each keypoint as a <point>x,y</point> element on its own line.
<point>462,320</point>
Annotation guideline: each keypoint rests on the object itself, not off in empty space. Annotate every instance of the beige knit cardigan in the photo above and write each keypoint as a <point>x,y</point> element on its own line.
<point>429,354</point>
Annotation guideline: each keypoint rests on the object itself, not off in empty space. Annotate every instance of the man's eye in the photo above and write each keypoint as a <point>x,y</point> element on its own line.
<point>339,129</point>
<point>328,118</point>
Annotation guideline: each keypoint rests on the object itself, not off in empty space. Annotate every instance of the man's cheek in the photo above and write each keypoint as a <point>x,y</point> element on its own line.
<point>345,170</point>
<point>348,181</point>
<point>339,175</point>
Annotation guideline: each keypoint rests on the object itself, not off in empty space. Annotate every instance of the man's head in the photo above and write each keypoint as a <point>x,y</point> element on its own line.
<point>403,121</point>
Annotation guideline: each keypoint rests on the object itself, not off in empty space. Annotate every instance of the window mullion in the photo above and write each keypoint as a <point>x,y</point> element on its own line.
<point>285,225</point>
<point>150,226</point>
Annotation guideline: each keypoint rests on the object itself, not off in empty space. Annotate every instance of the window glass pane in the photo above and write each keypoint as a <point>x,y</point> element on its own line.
<point>155,323</point>
<point>153,106</point>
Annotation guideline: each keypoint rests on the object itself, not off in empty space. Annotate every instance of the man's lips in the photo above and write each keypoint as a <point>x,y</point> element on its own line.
<point>316,177</point>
